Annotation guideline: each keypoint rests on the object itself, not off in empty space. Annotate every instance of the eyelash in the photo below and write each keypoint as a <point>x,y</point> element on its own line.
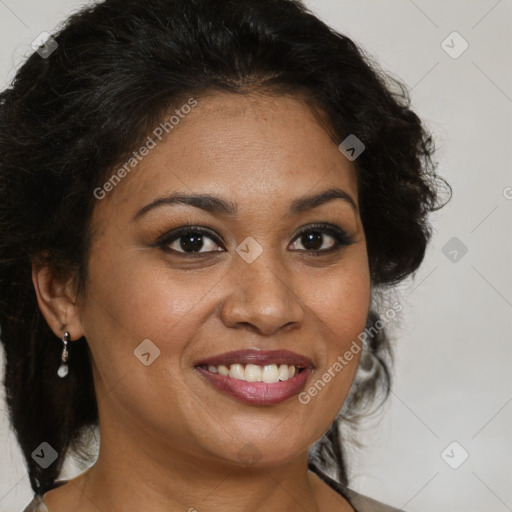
<point>341,238</point>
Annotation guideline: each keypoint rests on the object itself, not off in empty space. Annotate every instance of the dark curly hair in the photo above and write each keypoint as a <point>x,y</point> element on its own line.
<point>66,120</point>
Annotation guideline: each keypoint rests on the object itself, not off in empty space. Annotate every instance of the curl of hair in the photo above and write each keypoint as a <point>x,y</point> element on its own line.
<point>67,120</point>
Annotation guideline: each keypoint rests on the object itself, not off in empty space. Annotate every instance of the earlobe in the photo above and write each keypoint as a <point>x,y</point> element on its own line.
<point>56,302</point>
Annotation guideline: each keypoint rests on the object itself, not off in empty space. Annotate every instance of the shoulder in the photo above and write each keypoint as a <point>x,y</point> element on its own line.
<point>359,502</point>
<point>36,505</point>
<point>365,504</point>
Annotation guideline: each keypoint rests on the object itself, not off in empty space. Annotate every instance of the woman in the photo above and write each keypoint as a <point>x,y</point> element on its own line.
<point>202,202</point>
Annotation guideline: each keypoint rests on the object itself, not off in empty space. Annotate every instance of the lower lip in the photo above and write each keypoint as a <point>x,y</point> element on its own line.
<point>258,393</point>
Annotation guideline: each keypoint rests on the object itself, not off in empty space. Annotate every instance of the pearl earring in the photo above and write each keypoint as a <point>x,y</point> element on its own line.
<point>63,368</point>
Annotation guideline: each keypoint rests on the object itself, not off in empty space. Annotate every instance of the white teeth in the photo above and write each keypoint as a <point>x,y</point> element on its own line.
<point>236,371</point>
<point>223,370</point>
<point>254,373</point>
<point>270,374</point>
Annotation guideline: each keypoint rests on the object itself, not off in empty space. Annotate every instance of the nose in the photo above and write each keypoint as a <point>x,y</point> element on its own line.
<point>262,296</point>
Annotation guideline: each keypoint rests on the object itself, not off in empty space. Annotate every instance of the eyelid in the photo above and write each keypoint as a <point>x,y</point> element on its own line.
<point>178,232</point>
<point>330,229</point>
<point>341,237</point>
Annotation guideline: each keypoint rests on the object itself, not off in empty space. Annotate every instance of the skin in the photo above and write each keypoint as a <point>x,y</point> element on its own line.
<point>169,440</point>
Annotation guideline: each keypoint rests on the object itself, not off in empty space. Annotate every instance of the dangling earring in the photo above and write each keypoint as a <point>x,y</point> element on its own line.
<point>63,368</point>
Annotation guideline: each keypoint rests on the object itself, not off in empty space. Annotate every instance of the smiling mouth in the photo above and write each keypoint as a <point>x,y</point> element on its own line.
<point>257,377</point>
<point>268,374</point>
<point>258,385</point>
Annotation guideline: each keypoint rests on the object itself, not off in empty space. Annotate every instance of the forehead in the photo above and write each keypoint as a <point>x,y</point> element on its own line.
<point>252,149</point>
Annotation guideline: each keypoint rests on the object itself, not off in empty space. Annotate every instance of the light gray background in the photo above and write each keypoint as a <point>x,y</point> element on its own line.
<point>453,341</point>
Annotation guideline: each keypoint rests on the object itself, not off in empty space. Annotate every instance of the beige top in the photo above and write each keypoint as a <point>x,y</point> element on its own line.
<point>359,502</point>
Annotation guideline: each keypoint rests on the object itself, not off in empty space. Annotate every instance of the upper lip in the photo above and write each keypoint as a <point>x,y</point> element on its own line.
<point>259,357</point>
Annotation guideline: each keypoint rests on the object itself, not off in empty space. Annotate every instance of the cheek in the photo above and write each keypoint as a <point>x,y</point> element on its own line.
<point>340,307</point>
<point>145,297</point>
<point>341,303</point>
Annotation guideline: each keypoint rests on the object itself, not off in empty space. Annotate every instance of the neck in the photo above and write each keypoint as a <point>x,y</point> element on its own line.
<point>130,475</point>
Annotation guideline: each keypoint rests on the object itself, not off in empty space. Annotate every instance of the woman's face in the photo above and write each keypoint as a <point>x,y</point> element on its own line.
<point>254,283</point>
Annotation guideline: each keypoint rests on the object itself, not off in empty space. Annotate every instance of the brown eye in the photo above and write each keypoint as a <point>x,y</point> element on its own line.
<point>312,238</point>
<point>196,241</point>
<point>314,241</point>
<point>190,241</point>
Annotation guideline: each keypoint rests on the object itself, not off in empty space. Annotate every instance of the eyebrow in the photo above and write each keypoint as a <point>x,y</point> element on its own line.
<point>216,205</point>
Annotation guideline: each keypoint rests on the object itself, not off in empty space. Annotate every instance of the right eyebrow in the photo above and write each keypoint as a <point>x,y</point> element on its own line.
<point>217,205</point>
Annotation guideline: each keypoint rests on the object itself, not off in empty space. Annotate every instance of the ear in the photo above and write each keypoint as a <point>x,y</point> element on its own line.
<point>57,301</point>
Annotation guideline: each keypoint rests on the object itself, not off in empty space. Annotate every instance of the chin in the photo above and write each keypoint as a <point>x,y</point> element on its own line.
<point>255,454</point>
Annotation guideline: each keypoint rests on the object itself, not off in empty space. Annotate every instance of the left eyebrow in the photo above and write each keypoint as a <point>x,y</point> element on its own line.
<point>216,205</point>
